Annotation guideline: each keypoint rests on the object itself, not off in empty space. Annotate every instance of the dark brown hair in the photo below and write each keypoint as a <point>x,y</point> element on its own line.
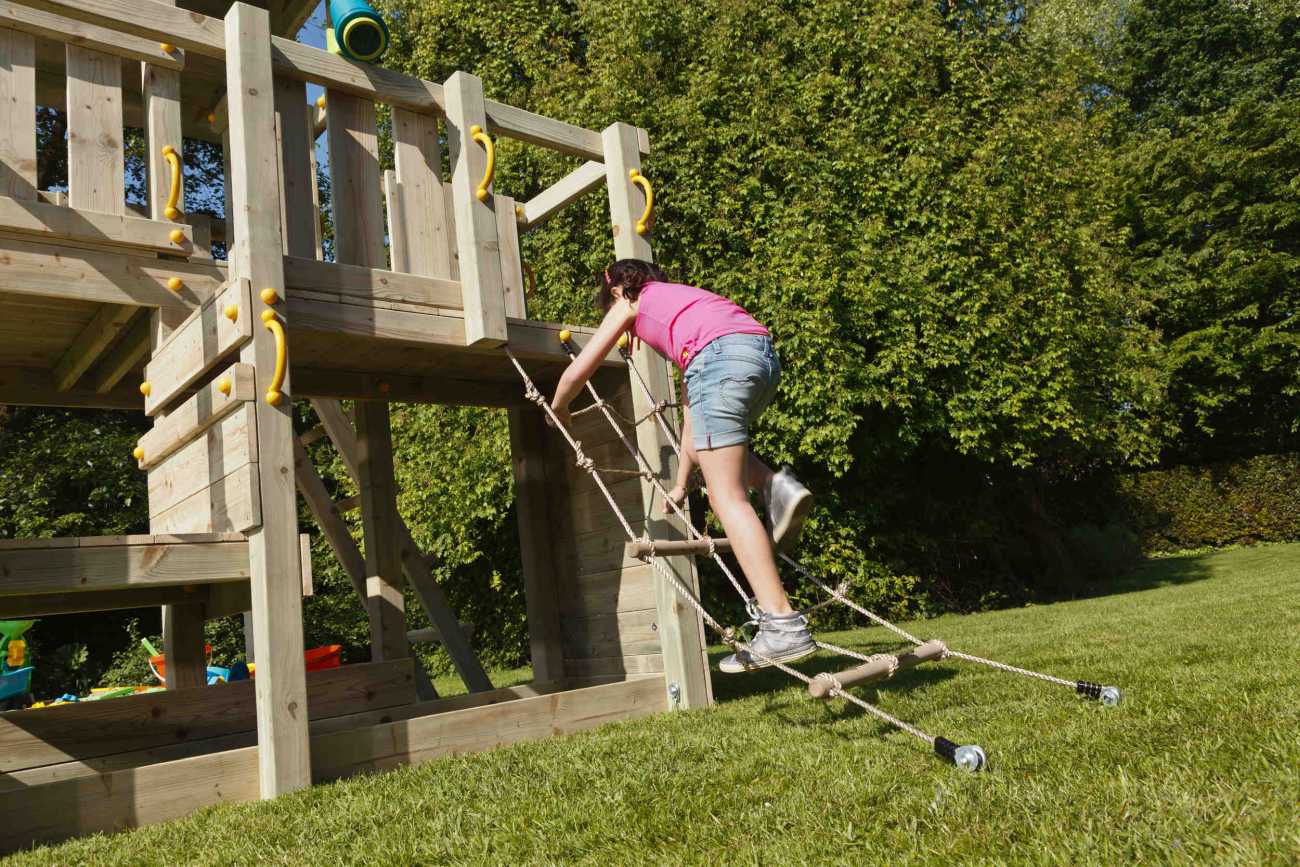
<point>631,274</point>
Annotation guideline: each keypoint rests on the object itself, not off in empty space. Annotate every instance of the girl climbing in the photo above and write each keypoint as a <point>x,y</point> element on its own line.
<point>730,375</point>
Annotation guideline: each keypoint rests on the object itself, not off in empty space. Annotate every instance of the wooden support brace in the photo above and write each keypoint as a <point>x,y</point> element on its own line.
<point>568,189</point>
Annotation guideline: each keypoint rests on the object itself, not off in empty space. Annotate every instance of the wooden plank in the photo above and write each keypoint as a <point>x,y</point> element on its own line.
<point>193,417</point>
<point>355,182</point>
<point>528,433</point>
<point>57,28</point>
<point>18,123</point>
<point>432,597</point>
<point>563,192</point>
<point>426,236</point>
<point>118,567</point>
<point>199,344</point>
<point>365,282</point>
<point>50,604</point>
<point>631,633</point>
<point>230,504</point>
<point>512,266</point>
<point>622,666</point>
<point>224,447</point>
<point>32,386</point>
<point>552,134</point>
<point>476,227</point>
<point>77,223</point>
<point>75,732</point>
<point>135,796</point>
<point>93,340</point>
<point>354,385</point>
<point>96,162</point>
<point>681,628</point>
<point>379,518</point>
<point>57,271</point>
<point>283,751</point>
<point>298,216</point>
<point>399,246</point>
<point>129,353</point>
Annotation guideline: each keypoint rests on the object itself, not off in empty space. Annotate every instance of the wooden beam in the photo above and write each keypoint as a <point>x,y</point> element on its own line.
<point>77,223</point>
<point>155,793</point>
<point>30,386</point>
<point>482,290</point>
<point>283,751</point>
<point>69,31</point>
<point>79,731</point>
<point>568,189</point>
<point>681,630</point>
<point>17,116</point>
<point>353,385</point>
<point>323,510</point>
<point>379,518</point>
<point>359,281</point>
<point>296,175</point>
<point>50,604</point>
<point>431,595</point>
<point>121,563</point>
<point>288,16</point>
<point>93,339</point>
<point>57,271</point>
<point>127,355</point>
<point>185,663</point>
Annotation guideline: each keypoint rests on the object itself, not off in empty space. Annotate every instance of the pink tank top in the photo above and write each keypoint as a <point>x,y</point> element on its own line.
<point>679,320</point>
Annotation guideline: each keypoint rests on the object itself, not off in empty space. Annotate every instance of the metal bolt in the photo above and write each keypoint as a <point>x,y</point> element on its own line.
<point>1111,696</point>
<point>970,758</point>
<point>675,693</point>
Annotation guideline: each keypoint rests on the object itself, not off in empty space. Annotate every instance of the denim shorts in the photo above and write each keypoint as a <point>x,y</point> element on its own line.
<point>729,383</point>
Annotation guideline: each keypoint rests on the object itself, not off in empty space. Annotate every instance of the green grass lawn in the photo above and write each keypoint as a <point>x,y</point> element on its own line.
<point>1200,764</point>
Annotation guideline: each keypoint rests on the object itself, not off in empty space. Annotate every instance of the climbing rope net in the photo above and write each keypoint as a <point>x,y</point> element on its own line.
<point>825,684</point>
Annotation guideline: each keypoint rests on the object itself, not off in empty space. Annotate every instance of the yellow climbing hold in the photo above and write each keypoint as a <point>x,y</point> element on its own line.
<point>224,386</point>
<point>167,48</point>
<point>566,335</point>
<point>176,236</point>
<point>320,101</point>
<point>232,312</point>
<point>146,389</point>
<point>137,453</point>
<point>268,315</point>
<point>622,340</point>
<point>175,284</point>
<point>269,296</point>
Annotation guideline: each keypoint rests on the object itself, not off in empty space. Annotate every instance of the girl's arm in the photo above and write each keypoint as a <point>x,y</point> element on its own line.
<point>618,320</point>
<point>685,466</point>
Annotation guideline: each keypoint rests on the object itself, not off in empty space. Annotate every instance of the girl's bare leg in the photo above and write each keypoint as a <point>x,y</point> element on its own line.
<point>725,473</point>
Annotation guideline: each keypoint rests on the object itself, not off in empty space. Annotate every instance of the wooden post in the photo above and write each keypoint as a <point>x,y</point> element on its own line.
<point>528,436</point>
<point>681,631</point>
<point>359,240</point>
<point>186,661</point>
<point>475,221</point>
<point>283,754</point>
<point>379,520</point>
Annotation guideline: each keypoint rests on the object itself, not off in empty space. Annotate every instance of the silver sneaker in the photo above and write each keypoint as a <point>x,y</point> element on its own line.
<point>788,503</point>
<point>780,638</point>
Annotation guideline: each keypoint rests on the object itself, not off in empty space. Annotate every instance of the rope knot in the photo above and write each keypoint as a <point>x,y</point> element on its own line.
<point>943,653</point>
<point>531,392</point>
<point>836,687</point>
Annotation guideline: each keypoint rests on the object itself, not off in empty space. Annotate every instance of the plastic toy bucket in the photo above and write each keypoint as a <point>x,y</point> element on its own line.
<point>14,683</point>
<point>359,31</point>
<point>321,658</point>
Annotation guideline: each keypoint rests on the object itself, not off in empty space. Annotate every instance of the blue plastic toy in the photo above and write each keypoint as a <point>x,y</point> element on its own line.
<point>358,32</point>
<point>15,674</point>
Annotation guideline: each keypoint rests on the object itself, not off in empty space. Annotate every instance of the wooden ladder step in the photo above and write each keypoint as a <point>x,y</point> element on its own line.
<point>668,548</point>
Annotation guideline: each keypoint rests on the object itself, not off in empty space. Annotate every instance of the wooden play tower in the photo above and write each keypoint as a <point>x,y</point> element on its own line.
<point>107,305</point>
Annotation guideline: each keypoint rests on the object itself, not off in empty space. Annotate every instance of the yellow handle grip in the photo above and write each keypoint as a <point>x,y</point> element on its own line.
<point>173,195</point>
<point>273,393</point>
<point>643,224</point>
<point>476,132</point>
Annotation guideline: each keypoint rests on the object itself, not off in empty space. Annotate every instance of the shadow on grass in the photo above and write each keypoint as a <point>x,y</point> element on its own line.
<point>771,681</point>
<point>1164,572</point>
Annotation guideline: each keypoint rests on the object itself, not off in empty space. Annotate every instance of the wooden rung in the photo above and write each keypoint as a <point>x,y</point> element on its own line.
<point>348,504</point>
<point>669,548</point>
<point>53,223</point>
<point>820,687</point>
<point>199,344</point>
<point>431,635</point>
